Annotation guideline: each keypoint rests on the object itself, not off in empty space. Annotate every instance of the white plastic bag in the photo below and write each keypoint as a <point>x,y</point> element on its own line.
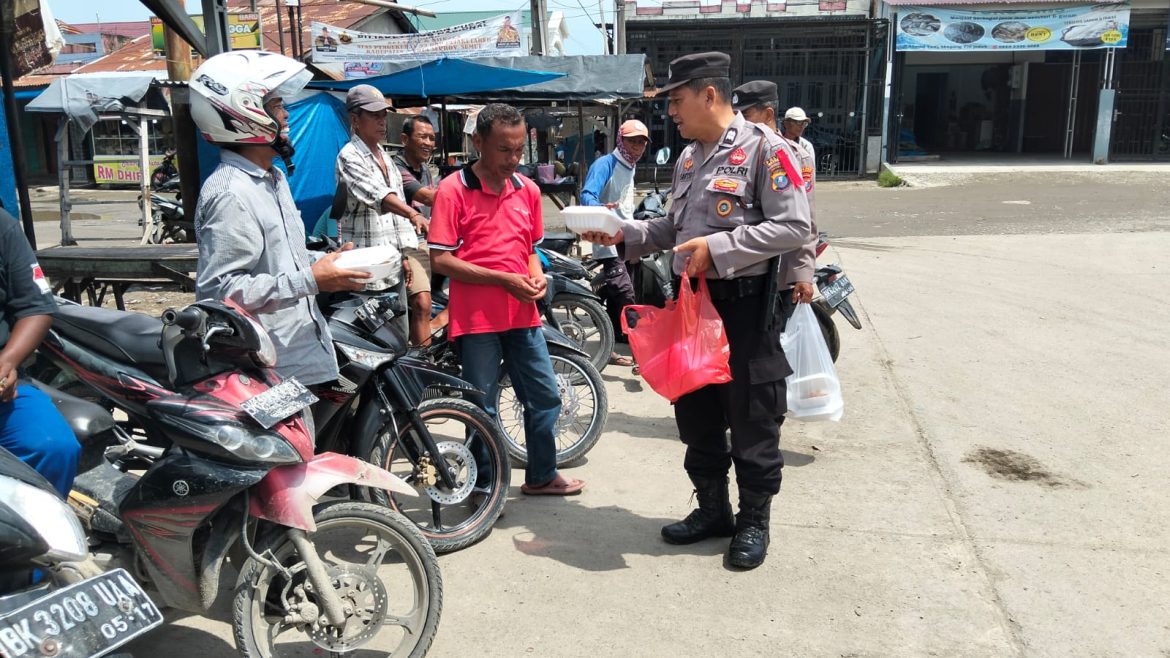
<point>814,391</point>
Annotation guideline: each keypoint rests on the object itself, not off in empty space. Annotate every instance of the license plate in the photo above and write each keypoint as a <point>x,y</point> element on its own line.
<point>278,402</point>
<point>80,621</point>
<point>836,292</point>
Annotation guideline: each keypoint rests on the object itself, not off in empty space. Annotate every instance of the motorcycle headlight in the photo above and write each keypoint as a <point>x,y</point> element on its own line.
<point>367,358</point>
<point>239,442</point>
<point>52,518</point>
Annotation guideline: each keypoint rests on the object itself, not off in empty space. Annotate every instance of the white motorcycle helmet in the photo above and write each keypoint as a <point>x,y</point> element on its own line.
<point>229,91</point>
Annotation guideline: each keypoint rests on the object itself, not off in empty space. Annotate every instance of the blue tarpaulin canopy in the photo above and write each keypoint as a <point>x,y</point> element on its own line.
<point>318,128</point>
<point>445,77</point>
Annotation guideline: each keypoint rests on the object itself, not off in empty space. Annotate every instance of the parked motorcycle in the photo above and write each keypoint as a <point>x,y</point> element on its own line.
<point>653,274</point>
<point>170,222</point>
<point>834,288</point>
<point>573,309</point>
<point>416,420</point>
<point>584,402</point>
<point>238,477</point>
<point>49,604</point>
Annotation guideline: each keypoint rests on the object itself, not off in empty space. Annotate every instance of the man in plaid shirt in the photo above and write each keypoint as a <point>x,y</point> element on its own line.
<point>376,212</point>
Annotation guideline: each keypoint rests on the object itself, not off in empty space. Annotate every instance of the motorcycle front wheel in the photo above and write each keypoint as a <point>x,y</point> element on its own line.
<point>584,409</point>
<point>450,519</point>
<point>385,573</point>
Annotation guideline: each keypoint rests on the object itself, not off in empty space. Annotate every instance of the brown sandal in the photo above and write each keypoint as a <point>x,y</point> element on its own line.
<point>558,486</point>
<point>616,359</point>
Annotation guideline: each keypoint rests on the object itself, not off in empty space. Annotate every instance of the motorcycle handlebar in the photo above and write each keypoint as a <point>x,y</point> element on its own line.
<point>188,318</point>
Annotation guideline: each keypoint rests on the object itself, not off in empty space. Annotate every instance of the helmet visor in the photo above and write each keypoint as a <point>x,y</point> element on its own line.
<point>291,87</point>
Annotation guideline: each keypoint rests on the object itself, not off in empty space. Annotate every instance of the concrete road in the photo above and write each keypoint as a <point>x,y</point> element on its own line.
<point>996,488</point>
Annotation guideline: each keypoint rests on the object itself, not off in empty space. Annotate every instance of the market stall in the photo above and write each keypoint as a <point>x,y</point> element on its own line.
<point>83,100</point>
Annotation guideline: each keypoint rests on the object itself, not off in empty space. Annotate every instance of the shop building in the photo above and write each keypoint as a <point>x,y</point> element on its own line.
<point>828,57</point>
<point>1028,80</point>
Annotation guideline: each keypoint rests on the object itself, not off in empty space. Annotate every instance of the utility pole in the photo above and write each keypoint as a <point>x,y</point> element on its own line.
<point>605,50</point>
<point>619,29</point>
<point>186,147</point>
<point>539,26</point>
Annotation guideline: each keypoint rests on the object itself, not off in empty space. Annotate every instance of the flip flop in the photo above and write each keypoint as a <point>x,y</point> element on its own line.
<point>616,359</point>
<point>558,486</point>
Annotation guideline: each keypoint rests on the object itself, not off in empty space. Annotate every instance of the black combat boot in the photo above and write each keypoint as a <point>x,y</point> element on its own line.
<point>750,544</point>
<point>712,519</point>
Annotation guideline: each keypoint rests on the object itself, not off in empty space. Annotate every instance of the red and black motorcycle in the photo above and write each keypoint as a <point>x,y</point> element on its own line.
<point>388,407</point>
<point>231,476</point>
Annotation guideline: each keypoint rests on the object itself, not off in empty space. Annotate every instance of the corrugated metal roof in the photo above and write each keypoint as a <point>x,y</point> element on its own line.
<point>131,29</point>
<point>998,4</point>
<point>138,54</point>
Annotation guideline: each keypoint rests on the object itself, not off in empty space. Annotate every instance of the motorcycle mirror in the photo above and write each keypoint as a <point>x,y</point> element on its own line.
<point>662,156</point>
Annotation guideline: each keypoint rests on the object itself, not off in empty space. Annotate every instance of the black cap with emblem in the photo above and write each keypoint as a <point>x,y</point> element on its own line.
<point>693,67</point>
<point>756,92</point>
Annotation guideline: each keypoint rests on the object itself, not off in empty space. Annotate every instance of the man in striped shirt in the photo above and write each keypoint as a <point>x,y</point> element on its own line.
<point>376,212</point>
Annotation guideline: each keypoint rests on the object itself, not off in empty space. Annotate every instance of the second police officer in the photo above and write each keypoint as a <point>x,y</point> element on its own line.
<point>738,205</point>
<point>759,102</point>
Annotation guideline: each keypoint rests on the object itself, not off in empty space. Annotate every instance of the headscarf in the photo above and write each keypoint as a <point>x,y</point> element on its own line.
<point>622,151</point>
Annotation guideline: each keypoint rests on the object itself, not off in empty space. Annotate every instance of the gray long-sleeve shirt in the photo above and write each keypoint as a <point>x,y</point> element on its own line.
<point>252,251</point>
<point>739,196</point>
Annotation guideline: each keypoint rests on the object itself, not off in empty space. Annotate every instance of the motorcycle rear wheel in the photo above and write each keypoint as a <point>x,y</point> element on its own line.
<point>380,564</point>
<point>449,519</point>
<point>584,409</point>
<point>828,329</point>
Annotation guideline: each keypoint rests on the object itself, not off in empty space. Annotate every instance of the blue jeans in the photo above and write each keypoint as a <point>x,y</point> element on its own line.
<point>525,356</point>
<point>32,429</point>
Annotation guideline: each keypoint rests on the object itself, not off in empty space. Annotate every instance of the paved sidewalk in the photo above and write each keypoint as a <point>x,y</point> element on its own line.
<point>996,488</point>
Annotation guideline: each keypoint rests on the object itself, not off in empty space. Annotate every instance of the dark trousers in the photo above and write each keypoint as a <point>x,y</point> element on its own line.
<point>752,405</point>
<point>617,292</point>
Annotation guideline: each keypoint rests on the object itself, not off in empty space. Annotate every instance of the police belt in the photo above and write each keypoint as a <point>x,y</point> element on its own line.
<point>727,289</point>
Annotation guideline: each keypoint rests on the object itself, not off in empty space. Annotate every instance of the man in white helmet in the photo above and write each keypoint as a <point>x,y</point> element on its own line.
<point>250,234</point>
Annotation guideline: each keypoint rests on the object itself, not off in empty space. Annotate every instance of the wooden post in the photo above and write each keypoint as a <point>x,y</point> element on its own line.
<point>144,164</point>
<point>63,180</point>
<point>179,68</point>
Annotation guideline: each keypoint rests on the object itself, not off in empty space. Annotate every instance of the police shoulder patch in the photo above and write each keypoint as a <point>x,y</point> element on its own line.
<point>780,182</point>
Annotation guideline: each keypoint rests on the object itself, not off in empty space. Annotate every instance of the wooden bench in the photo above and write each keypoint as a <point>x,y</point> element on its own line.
<point>96,272</point>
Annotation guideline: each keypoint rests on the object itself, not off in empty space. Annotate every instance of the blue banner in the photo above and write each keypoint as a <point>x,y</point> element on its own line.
<point>1054,28</point>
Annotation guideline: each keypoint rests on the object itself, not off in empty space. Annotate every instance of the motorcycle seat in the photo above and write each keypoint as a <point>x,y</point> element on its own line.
<point>131,338</point>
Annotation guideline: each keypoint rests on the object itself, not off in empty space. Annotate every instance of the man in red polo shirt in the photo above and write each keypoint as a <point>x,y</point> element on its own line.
<point>484,224</point>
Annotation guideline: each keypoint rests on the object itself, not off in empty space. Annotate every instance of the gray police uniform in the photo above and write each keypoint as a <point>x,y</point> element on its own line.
<point>742,197</point>
<point>798,265</point>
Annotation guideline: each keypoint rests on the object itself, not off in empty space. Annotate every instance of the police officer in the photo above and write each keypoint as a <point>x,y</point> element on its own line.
<point>759,102</point>
<point>738,204</point>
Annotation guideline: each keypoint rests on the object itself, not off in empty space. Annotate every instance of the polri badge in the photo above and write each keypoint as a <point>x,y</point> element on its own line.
<point>738,156</point>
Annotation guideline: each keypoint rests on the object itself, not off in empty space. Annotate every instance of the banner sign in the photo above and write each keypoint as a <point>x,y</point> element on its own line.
<point>28,47</point>
<point>243,29</point>
<point>500,36</point>
<point>1054,28</point>
<point>118,170</point>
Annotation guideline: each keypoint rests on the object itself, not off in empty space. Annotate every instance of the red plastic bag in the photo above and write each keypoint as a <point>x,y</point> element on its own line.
<point>680,348</point>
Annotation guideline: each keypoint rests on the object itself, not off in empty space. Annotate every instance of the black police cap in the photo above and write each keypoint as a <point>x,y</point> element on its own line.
<point>700,65</point>
<point>756,92</point>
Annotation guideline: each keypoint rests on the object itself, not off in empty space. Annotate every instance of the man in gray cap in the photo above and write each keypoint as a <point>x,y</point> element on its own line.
<point>758,101</point>
<point>792,127</point>
<point>376,212</point>
<point>737,206</point>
